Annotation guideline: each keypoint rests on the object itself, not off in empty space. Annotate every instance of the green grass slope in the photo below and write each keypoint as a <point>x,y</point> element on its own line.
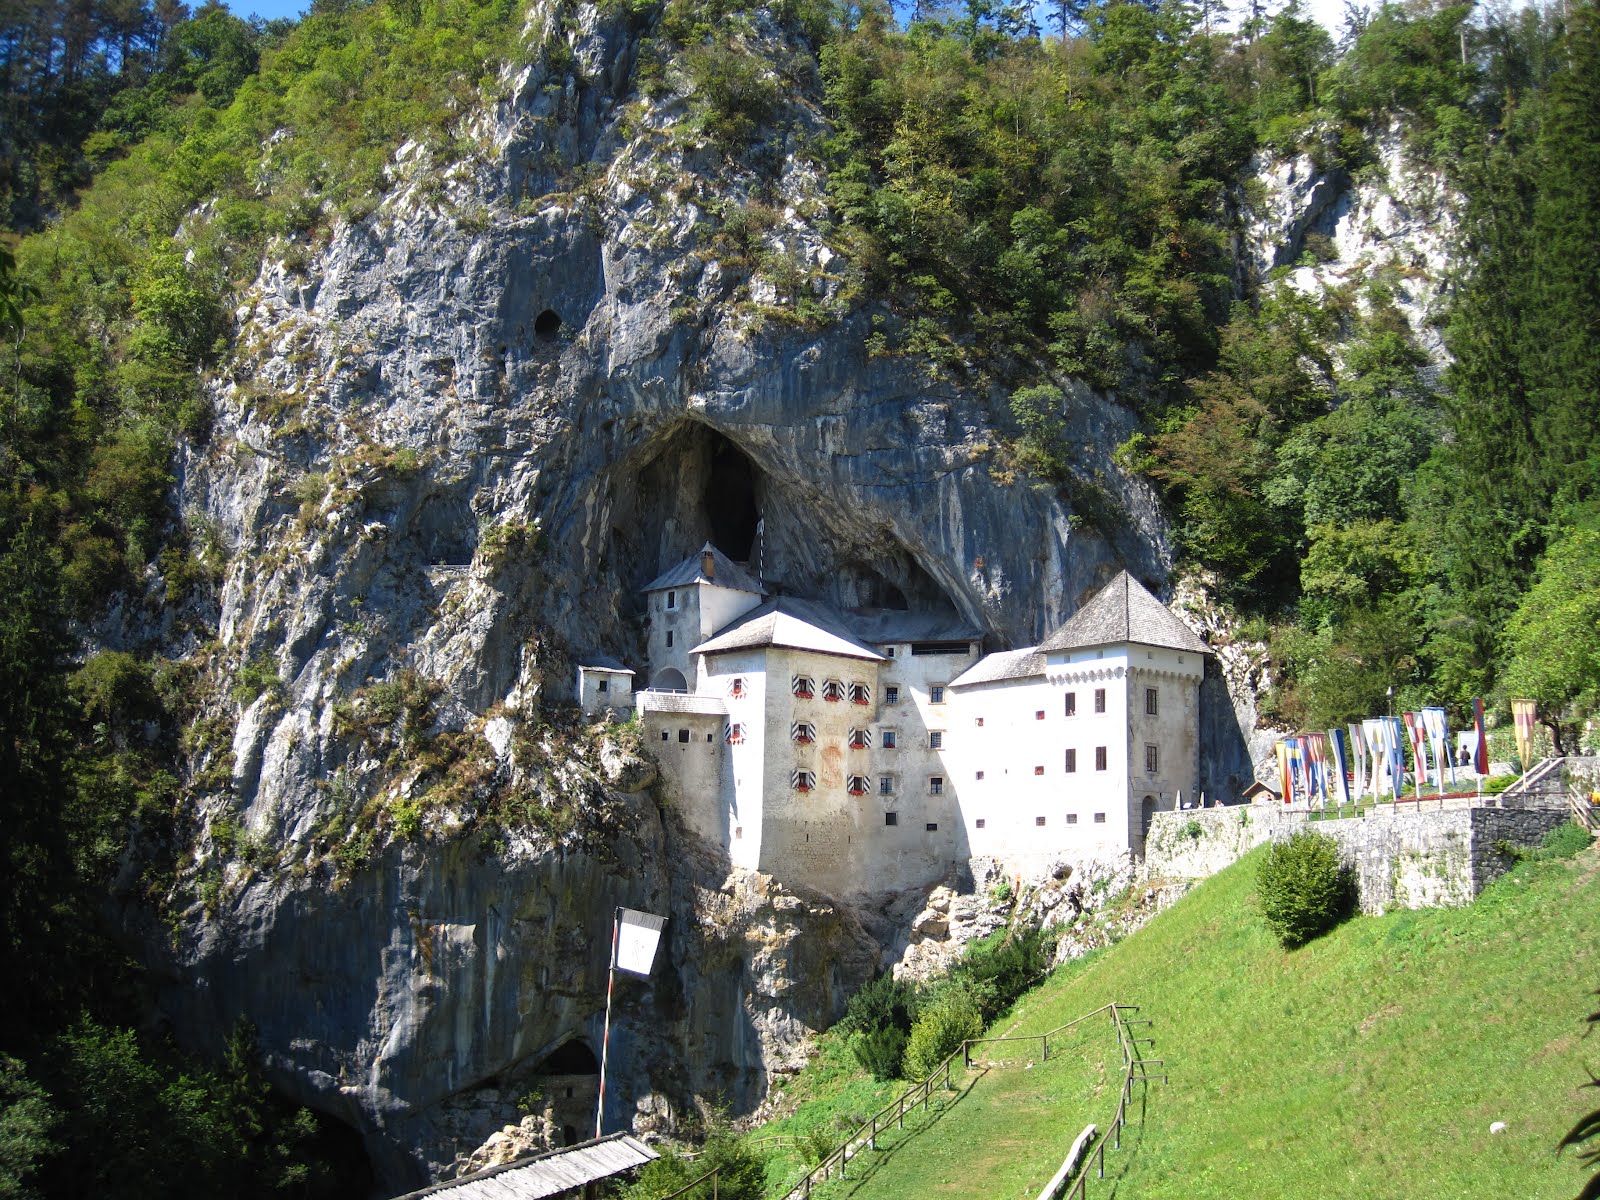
<point>1369,1063</point>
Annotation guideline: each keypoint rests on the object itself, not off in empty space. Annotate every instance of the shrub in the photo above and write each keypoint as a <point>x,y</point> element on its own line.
<point>880,1051</point>
<point>944,1023</point>
<point>1304,888</point>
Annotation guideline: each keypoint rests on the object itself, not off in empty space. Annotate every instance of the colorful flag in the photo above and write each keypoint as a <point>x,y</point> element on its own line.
<point>1419,748</point>
<point>1285,781</point>
<point>1358,760</point>
<point>1338,745</point>
<point>1480,756</point>
<point>1394,740</point>
<point>1525,713</point>
<point>1437,722</point>
<point>1378,754</point>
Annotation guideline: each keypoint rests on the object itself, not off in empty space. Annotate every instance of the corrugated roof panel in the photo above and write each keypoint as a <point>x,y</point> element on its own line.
<point>549,1174</point>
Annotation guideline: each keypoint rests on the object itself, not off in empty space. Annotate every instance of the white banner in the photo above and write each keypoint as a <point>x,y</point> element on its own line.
<point>637,936</point>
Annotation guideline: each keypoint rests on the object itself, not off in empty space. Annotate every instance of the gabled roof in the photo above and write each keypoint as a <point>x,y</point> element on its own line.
<point>1001,666</point>
<point>787,621</point>
<point>602,662</point>
<point>725,573</point>
<point>1123,611</point>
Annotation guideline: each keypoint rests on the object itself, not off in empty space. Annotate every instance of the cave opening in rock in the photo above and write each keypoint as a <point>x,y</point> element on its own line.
<point>547,324</point>
<point>730,500</point>
<point>571,1058</point>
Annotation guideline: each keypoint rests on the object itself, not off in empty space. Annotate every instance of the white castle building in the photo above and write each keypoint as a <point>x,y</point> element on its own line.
<point>864,752</point>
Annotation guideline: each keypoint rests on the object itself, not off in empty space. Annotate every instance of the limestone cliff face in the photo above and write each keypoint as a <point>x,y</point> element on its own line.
<point>458,434</point>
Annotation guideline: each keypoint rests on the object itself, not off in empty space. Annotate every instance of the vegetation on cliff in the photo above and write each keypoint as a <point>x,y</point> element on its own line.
<point>1032,214</point>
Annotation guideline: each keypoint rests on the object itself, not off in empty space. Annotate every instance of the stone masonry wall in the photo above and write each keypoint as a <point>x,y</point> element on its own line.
<point>1405,859</point>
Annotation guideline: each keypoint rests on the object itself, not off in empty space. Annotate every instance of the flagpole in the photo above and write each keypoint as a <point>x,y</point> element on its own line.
<point>605,1041</point>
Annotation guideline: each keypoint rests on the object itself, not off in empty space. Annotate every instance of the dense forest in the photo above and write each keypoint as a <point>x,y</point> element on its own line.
<point>1039,205</point>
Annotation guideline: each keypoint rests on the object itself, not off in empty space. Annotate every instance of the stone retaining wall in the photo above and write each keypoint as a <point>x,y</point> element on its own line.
<point>1403,859</point>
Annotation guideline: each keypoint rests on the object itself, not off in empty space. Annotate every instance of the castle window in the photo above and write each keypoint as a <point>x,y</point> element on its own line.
<point>891,818</point>
<point>891,695</point>
<point>603,686</point>
<point>666,735</point>
<point>860,739</point>
<point>683,735</point>
<point>860,693</point>
<point>1099,758</point>
<point>888,651</point>
<point>1072,704</point>
<point>708,737</point>
<point>1099,700</point>
<point>885,785</point>
<point>891,739</point>
<point>1072,761</point>
<point>933,827</point>
<point>733,734</point>
<point>923,648</point>
<point>979,823</point>
<point>1072,818</point>
<point>802,781</point>
<point>801,686</point>
<point>979,775</point>
<point>736,687</point>
<point>832,690</point>
<point>935,785</point>
<point>803,732</point>
<point>1039,770</point>
<point>1039,716</point>
<point>1038,820</point>
<point>1152,758</point>
<point>936,693</point>
<point>669,639</point>
<point>1152,702</point>
<point>1099,818</point>
<point>936,739</point>
<point>672,599</point>
<point>859,785</point>
<point>978,721</point>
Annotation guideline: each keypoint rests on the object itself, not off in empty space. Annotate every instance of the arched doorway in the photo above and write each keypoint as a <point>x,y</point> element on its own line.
<point>669,680</point>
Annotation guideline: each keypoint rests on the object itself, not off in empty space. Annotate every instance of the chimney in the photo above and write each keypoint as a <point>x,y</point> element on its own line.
<point>708,564</point>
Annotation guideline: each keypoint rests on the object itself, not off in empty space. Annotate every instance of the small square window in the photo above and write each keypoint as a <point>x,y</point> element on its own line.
<point>979,823</point>
<point>603,687</point>
<point>979,775</point>
<point>666,735</point>
<point>683,735</point>
<point>891,818</point>
<point>936,739</point>
<point>1072,818</point>
<point>1072,704</point>
<point>1099,700</point>
<point>1152,702</point>
<point>891,739</point>
<point>708,737</point>
<point>1039,716</point>
<point>888,651</point>
<point>935,785</point>
<point>936,693</point>
<point>1099,818</point>
<point>1039,770</point>
<point>1038,820</point>
<point>1099,758</point>
<point>891,695</point>
<point>978,721</point>
<point>933,827</point>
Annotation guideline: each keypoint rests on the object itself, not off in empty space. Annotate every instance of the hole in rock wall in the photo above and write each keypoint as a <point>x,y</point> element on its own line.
<point>571,1058</point>
<point>445,530</point>
<point>547,324</point>
<point>693,484</point>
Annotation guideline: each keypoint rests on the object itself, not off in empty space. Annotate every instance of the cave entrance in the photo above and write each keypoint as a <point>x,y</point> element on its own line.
<point>730,499</point>
<point>571,1058</point>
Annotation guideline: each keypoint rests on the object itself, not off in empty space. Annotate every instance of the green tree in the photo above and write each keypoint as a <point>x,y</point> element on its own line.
<point>1304,888</point>
<point>1553,638</point>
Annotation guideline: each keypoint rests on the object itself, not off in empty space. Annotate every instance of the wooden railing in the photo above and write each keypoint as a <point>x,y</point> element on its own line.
<point>865,1135</point>
<point>687,1188</point>
<point>1133,1071</point>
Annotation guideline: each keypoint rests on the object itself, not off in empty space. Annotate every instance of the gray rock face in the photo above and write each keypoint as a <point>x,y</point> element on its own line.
<point>458,434</point>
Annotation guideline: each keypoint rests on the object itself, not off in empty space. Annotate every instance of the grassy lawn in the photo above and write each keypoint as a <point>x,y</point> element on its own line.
<point>1369,1063</point>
